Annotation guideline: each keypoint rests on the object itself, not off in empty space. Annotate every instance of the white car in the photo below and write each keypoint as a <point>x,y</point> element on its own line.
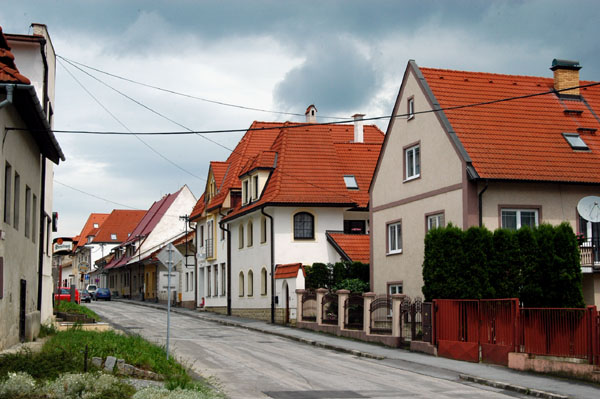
<point>91,288</point>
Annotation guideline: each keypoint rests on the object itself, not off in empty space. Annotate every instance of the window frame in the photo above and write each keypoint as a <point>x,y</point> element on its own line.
<point>255,187</point>
<point>439,214</point>
<point>7,192</point>
<point>16,201</point>
<point>27,211</point>
<point>410,108</point>
<point>263,281</point>
<point>520,208</point>
<point>250,283</point>
<point>395,284</point>
<point>416,164</point>
<point>350,181</point>
<point>388,237</point>
<point>241,287</point>
<point>241,236</point>
<point>312,228</point>
<point>250,234</point>
<point>245,192</point>
<point>263,230</point>
<point>576,142</point>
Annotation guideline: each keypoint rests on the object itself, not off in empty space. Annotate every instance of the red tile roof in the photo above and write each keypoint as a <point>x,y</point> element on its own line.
<point>352,247</point>
<point>88,227</point>
<point>520,139</point>
<point>121,223</point>
<point>289,271</point>
<point>311,163</point>
<point>8,70</point>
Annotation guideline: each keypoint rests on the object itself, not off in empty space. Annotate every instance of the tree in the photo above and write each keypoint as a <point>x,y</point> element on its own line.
<point>318,276</point>
<point>505,265</point>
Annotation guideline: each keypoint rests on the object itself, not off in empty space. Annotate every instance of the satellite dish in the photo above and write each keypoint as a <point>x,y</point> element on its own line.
<point>589,208</point>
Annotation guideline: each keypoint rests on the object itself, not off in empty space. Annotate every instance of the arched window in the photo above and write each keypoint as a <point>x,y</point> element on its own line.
<point>241,236</point>
<point>250,233</point>
<point>304,226</point>
<point>250,283</point>
<point>263,281</point>
<point>263,230</point>
<point>241,284</point>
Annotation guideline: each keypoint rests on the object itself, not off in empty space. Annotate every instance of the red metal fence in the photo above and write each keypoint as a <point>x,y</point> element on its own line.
<point>466,329</point>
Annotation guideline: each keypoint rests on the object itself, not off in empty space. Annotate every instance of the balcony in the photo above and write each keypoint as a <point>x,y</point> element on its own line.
<point>590,253</point>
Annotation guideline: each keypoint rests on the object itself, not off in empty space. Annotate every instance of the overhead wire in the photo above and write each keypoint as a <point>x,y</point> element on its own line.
<point>126,127</point>
<point>226,104</point>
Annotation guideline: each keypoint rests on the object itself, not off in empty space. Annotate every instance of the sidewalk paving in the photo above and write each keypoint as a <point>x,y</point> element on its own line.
<point>501,377</point>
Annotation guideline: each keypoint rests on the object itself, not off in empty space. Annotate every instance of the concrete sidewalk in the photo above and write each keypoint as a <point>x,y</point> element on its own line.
<point>501,377</point>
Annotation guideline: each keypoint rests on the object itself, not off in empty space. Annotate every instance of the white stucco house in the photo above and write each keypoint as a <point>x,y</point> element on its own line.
<point>274,202</point>
<point>29,151</point>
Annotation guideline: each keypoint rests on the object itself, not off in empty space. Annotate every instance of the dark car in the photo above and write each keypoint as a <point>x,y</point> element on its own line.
<point>86,296</point>
<point>103,293</point>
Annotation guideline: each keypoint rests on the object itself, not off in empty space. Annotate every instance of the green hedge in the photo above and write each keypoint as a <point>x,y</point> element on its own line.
<point>342,275</point>
<point>540,266</point>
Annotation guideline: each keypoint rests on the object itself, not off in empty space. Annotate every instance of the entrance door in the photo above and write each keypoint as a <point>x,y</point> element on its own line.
<point>22,304</point>
<point>287,304</point>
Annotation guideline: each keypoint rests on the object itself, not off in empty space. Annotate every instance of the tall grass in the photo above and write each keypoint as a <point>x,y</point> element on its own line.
<point>72,307</point>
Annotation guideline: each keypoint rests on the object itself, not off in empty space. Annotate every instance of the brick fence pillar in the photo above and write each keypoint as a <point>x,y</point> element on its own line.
<point>320,294</point>
<point>342,316</point>
<point>368,297</point>
<point>396,303</point>
<point>299,304</point>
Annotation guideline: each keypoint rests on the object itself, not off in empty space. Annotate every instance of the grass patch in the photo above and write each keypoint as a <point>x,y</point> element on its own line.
<point>72,307</point>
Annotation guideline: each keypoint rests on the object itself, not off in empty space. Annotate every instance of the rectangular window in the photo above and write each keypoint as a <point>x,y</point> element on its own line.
<point>208,281</point>
<point>412,159</point>
<point>410,108</point>
<point>241,237</point>
<point>201,236</point>
<point>27,211</point>
<point>187,282</point>
<point>435,221</point>
<point>263,230</point>
<point>216,268</point>
<point>395,289</point>
<point>250,234</point>
<point>223,279</point>
<point>17,200</point>
<point>7,191</point>
<point>245,199</point>
<point>514,219</point>
<point>34,219</point>
<point>395,238</point>
<point>354,227</point>
<point>255,186</point>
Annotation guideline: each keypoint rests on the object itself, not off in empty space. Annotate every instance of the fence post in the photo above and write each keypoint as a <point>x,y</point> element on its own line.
<point>342,296</point>
<point>516,314</point>
<point>299,305</point>
<point>434,322</point>
<point>320,294</point>
<point>396,303</point>
<point>592,314</point>
<point>368,298</point>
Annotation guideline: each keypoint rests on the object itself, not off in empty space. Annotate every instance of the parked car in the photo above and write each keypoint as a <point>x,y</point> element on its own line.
<point>86,296</point>
<point>92,290</point>
<point>103,293</point>
<point>65,295</point>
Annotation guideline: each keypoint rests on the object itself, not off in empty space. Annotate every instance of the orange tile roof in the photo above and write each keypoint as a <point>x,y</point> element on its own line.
<point>520,139</point>
<point>121,223</point>
<point>8,70</point>
<point>312,161</point>
<point>88,227</point>
<point>289,271</point>
<point>352,247</point>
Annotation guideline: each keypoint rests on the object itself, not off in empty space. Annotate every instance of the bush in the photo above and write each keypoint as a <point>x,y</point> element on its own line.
<point>539,266</point>
<point>72,307</point>
<point>331,276</point>
<point>355,285</point>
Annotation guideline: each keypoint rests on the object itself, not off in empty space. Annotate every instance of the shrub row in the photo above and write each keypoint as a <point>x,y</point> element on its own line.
<point>353,276</point>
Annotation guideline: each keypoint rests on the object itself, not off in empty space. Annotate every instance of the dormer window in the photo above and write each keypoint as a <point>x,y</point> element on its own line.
<point>350,181</point>
<point>113,236</point>
<point>575,141</point>
<point>245,192</point>
<point>255,187</point>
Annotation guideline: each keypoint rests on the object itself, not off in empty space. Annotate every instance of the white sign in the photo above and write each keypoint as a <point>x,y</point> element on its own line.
<point>163,255</point>
<point>60,246</point>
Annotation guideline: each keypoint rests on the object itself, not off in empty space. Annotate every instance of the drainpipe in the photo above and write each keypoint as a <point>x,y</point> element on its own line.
<point>262,210</point>
<point>480,197</point>
<point>41,236</point>
<point>195,264</point>
<point>9,95</point>
<point>221,224</point>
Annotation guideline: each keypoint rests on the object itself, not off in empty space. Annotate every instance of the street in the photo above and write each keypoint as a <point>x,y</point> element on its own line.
<point>248,364</point>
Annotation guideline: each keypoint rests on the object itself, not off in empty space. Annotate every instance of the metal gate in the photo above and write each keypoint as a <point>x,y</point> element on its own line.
<point>329,309</point>
<point>462,326</point>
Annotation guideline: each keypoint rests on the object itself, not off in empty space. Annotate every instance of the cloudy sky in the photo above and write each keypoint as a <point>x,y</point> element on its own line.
<point>345,57</point>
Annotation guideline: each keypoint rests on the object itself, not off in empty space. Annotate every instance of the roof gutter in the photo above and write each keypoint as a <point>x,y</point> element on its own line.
<point>9,96</point>
<point>480,199</point>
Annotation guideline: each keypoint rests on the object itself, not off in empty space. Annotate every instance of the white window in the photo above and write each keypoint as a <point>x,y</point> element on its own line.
<point>412,159</point>
<point>96,225</point>
<point>395,238</point>
<point>245,193</point>
<point>411,108</point>
<point>255,187</point>
<point>113,236</point>
<point>575,141</point>
<point>435,221</point>
<point>350,181</point>
<point>514,219</point>
<point>395,289</point>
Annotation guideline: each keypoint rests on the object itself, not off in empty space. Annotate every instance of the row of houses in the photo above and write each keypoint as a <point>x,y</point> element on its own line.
<point>467,148</point>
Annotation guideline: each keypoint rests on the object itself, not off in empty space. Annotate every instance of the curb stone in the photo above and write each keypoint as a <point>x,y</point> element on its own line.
<point>515,388</point>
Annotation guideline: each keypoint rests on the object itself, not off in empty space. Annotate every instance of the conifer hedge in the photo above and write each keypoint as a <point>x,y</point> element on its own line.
<point>540,266</point>
<point>341,275</point>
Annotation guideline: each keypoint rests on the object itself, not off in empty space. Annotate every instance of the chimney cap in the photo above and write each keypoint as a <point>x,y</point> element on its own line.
<point>565,64</point>
<point>309,108</point>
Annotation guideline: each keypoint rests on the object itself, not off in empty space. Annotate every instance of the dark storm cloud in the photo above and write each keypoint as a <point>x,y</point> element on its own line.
<point>335,77</point>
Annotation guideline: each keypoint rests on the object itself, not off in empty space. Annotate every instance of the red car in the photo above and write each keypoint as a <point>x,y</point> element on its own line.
<point>65,295</point>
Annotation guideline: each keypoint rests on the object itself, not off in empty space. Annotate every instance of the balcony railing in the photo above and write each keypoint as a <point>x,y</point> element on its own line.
<point>590,252</point>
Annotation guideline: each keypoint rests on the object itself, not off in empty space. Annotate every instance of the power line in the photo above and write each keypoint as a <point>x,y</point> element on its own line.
<point>187,95</point>
<point>127,128</point>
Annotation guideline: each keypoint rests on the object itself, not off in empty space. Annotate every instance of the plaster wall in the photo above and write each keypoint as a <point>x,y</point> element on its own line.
<point>218,296</point>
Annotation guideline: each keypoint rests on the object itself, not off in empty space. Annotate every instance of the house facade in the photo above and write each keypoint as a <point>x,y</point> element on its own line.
<point>284,190</point>
<point>85,253</point>
<point>504,164</point>
<point>29,150</point>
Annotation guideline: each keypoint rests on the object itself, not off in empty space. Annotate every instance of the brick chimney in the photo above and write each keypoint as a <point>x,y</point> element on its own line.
<point>358,128</point>
<point>311,114</point>
<point>566,74</point>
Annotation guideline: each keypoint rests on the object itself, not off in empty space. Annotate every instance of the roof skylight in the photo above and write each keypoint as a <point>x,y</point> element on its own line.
<point>575,141</point>
<point>350,181</point>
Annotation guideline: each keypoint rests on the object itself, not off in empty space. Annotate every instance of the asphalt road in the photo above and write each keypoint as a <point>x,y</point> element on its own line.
<point>249,364</point>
